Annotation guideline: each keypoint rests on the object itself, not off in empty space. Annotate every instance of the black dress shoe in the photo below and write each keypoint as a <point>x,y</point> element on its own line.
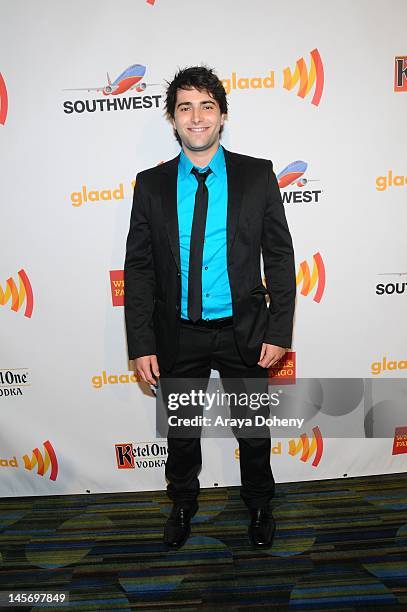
<point>262,527</point>
<point>178,526</point>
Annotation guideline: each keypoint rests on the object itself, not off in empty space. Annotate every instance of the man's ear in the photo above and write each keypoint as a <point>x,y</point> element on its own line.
<point>223,118</point>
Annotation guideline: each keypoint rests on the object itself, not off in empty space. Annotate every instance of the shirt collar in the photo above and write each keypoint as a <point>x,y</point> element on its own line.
<point>217,164</point>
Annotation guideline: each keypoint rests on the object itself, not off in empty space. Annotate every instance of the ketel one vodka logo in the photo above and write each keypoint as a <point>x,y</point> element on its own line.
<point>143,455</point>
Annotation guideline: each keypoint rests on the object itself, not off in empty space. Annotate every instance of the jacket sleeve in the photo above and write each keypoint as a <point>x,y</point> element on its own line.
<point>139,279</point>
<point>279,267</point>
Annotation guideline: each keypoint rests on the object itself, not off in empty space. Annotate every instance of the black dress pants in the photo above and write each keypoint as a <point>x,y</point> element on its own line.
<point>200,350</point>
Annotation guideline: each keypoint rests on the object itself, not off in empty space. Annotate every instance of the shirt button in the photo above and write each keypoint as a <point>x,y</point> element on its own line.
<point>206,294</point>
<point>206,319</point>
<point>206,267</point>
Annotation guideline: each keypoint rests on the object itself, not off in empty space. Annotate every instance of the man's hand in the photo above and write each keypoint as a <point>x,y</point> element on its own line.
<point>270,354</point>
<point>147,368</point>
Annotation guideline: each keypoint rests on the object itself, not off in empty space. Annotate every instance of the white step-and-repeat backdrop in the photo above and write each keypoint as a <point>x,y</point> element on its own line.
<point>320,88</point>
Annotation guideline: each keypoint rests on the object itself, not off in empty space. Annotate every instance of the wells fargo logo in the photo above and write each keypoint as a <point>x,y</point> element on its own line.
<point>117,287</point>
<point>307,79</point>
<point>400,441</point>
<point>18,296</point>
<point>377,367</point>
<point>44,462</point>
<point>400,73</point>
<point>144,455</point>
<point>308,447</point>
<point>390,180</point>
<point>3,100</point>
<point>310,279</point>
<point>283,372</point>
<point>102,379</point>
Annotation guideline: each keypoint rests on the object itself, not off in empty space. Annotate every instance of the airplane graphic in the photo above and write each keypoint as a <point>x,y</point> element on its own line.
<point>392,274</point>
<point>292,174</point>
<point>131,78</point>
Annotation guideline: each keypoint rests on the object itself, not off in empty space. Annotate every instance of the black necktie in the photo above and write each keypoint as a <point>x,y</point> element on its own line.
<point>196,246</point>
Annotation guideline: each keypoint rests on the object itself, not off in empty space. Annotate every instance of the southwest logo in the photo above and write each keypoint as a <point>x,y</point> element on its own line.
<point>307,78</point>
<point>400,441</point>
<point>308,448</point>
<point>18,296</point>
<point>400,73</point>
<point>309,280</point>
<point>43,461</point>
<point>3,100</point>
<point>283,372</point>
<point>117,287</point>
<point>293,174</point>
<point>398,288</point>
<point>130,79</point>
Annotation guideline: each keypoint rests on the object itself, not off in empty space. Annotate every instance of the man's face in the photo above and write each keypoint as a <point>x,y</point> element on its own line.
<point>197,119</point>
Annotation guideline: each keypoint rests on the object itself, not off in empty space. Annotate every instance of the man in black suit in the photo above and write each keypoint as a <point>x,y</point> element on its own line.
<point>194,297</point>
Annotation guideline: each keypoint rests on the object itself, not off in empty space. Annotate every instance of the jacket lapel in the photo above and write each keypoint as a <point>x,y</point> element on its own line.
<point>169,205</point>
<point>235,174</point>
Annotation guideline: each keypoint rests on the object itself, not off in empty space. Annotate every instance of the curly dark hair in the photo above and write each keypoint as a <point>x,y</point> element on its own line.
<point>201,78</point>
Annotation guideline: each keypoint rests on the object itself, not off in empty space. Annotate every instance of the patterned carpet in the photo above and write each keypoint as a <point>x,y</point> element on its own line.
<point>340,545</point>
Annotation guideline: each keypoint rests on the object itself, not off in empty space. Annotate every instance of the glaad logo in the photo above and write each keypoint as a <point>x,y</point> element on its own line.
<point>18,296</point>
<point>309,280</point>
<point>152,2</point>
<point>377,367</point>
<point>400,73</point>
<point>145,455</point>
<point>43,461</point>
<point>130,79</point>
<point>3,100</point>
<point>303,445</point>
<point>307,78</point>
<point>293,174</point>
<point>306,448</point>
<point>99,381</point>
<point>384,182</point>
<point>12,382</point>
<point>400,441</point>
<point>398,288</point>
<point>94,195</point>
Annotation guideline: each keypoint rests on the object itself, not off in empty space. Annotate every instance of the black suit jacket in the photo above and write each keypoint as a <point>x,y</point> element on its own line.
<point>256,223</point>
